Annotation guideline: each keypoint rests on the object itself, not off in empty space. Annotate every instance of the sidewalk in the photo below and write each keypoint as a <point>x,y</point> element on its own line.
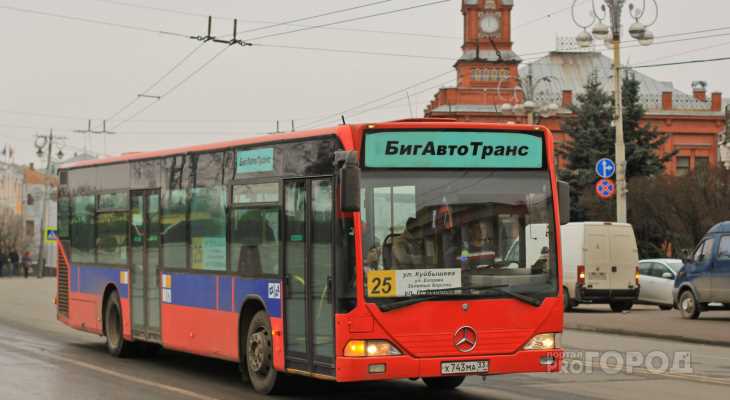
<point>713,327</point>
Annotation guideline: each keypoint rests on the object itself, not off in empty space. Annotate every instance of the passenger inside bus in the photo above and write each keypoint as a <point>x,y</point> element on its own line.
<point>407,247</point>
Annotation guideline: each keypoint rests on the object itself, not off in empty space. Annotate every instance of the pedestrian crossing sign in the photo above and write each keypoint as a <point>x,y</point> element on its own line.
<point>51,234</point>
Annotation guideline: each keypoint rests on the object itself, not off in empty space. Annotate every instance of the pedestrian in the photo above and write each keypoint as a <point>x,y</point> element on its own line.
<point>3,260</point>
<point>14,260</point>
<point>26,263</point>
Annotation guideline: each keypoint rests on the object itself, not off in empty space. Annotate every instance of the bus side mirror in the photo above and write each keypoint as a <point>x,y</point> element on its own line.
<point>564,201</point>
<point>349,179</point>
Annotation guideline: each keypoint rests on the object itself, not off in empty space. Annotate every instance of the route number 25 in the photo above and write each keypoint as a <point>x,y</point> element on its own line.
<point>381,284</point>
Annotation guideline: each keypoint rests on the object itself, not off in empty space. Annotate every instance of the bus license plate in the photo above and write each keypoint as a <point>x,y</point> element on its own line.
<point>464,367</point>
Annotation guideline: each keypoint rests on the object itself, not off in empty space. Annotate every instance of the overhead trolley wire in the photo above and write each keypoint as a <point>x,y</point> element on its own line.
<point>157,82</point>
<point>93,21</point>
<point>326,14</point>
<point>268,22</point>
<point>176,86</point>
<point>360,18</point>
<point>381,98</point>
<point>670,64</point>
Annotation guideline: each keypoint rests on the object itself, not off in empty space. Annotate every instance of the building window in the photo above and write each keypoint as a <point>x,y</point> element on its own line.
<point>682,166</point>
<point>702,163</point>
<point>30,228</point>
<point>490,74</point>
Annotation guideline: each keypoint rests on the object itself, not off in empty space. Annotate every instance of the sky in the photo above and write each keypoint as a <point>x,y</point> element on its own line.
<point>56,73</point>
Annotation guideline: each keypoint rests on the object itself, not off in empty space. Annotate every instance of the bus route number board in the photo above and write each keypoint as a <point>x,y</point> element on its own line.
<point>411,282</point>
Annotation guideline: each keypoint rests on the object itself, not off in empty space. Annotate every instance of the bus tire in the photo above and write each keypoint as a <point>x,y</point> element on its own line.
<point>260,356</point>
<point>114,328</point>
<point>444,383</point>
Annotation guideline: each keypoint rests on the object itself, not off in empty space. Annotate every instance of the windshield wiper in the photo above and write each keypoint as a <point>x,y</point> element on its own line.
<point>407,302</point>
<point>497,288</point>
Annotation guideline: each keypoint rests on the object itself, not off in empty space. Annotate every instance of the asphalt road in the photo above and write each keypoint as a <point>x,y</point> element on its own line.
<point>42,359</point>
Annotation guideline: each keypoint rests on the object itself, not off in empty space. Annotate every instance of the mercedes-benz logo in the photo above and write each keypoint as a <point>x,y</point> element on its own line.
<point>465,339</point>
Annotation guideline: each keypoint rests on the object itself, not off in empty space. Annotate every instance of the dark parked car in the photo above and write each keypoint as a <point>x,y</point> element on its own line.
<point>705,277</point>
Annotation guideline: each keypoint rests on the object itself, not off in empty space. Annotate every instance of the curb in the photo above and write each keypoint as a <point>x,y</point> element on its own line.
<point>614,331</point>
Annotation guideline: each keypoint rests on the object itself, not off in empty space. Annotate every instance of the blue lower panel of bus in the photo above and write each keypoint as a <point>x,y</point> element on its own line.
<point>214,292</point>
<point>225,293</point>
<point>93,280</point>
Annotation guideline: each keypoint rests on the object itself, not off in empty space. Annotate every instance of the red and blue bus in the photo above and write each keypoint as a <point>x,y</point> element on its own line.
<point>409,249</point>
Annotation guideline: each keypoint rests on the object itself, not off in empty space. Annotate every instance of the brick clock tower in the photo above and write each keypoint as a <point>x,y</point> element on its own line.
<point>487,69</point>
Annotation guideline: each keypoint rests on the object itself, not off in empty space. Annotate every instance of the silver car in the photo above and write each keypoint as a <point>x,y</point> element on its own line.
<point>657,281</point>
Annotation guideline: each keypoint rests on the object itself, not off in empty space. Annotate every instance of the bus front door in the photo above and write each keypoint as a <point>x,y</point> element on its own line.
<point>308,260</point>
<point>144,265</point>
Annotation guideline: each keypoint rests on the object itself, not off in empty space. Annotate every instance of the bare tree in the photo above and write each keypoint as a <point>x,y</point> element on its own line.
<point>670,214</point>
<point>12,232</point>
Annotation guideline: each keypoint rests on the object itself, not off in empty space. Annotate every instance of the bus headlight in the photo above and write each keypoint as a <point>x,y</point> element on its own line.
<point>543,341</point>
<point>370,348</point>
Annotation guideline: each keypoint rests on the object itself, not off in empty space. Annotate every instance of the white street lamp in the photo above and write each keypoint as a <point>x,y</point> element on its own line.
<point>532,103</point>
<point>637,30</point>
<point>584,39</point>
<point>611,10</point>
<point>601,31</point>
<point>647,39</point>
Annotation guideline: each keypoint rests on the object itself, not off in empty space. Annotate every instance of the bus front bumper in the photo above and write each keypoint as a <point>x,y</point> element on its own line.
<point>352,369</point>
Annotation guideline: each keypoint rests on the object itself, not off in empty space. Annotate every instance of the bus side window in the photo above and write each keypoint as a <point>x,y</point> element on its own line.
<point>254,225</point>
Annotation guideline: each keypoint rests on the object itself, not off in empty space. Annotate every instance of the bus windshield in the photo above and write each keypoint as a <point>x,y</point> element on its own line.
<point>444,232</point>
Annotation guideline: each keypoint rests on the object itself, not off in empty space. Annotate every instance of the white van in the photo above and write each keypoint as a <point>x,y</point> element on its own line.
<point>600,264</point>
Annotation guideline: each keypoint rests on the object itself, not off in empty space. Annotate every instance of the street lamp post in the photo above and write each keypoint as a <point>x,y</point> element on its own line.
<point>41,142</point>
<point>531,104</point>
<point>613,10</point>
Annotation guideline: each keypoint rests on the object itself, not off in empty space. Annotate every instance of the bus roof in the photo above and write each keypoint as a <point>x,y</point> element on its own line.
<point>142,155</point>
<point>411,123</point>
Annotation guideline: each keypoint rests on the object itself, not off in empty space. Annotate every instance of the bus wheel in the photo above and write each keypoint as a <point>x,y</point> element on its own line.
<point>260,356</point>
<point>688,306</point>
<point>444,383</point>
<point>113,328</point>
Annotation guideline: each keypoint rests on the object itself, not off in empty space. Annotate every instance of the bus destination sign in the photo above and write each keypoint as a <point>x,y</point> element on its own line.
<point>453,149</point>
<point>258,160</point>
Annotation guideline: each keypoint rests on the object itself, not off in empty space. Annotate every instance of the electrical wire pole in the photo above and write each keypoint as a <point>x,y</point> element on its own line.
<point>620,147</point>
<point>41,142</point>
<point>612,10</point>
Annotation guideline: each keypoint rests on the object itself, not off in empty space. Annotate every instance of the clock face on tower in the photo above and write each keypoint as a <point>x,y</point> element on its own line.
<point>489,24</point>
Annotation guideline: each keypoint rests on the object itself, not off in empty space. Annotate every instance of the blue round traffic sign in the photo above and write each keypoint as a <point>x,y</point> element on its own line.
<point>605,188</point>
<point>605,168</point>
